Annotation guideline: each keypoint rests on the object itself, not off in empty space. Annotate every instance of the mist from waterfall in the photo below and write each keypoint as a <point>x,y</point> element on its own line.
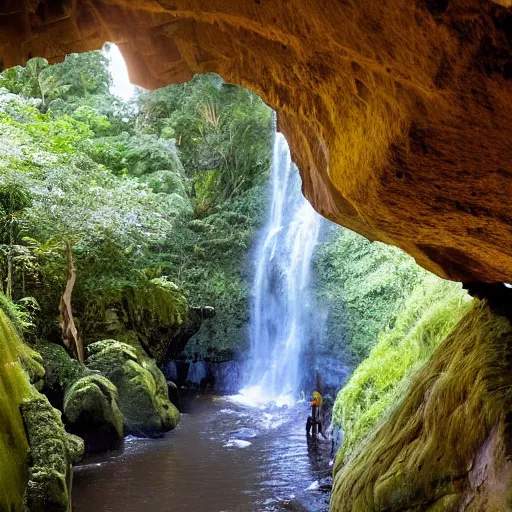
<point>282,320</point>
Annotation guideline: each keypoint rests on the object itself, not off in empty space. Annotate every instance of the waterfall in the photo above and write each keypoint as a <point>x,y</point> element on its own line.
<point>282,320</point>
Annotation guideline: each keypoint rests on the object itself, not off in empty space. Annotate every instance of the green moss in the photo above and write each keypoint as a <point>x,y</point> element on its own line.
<point>61,370</point>
<point>32,363</point>
<point>85,391</point>
<point>423,452</point>
<point>142,388</point>
<point>447,503</point>
<point>428,316</point>
<point>14,388</point>
<point>75,445</point>
<point>91,409</point>
<point>365,286</point>
<point>52,453</point>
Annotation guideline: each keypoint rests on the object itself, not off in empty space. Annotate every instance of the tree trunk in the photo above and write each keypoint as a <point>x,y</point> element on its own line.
<point>69,332</point>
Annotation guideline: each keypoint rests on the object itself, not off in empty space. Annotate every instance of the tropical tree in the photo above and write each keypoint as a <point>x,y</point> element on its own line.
<point>222,133</point>
<point>14,199</point>
<point>113,186</point>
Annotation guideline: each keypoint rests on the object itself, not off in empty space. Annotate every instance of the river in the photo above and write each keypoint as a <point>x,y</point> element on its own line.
<point>207,464</point>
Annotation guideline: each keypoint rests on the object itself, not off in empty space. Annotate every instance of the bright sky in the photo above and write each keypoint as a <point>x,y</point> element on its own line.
<point>121,84</point>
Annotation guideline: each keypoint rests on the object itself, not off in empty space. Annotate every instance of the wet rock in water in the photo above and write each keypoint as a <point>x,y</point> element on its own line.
<point>325,371</point>
<point>170,371</point>
<point>227,375</point>
<point>142,388</point>
<point>237,443</point>
<point>312,501</point>
<point>174,394</point>
<point>295,506</point>
<point>223,377</point>
<point>197,372</point>
<point>52,453</point>
<point>91,409</point>
<point>176,371</point>
<point>244,433</point>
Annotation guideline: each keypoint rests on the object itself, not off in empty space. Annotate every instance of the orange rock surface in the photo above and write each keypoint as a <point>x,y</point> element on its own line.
<point>398,112</point>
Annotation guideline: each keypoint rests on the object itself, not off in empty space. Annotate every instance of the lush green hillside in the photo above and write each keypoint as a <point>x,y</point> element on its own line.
<point>386,318</point>
<point>365,285</point>
<point>157,198</point>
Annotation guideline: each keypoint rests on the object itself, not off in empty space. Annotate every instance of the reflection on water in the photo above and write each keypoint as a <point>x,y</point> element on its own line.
<point>221,458</point>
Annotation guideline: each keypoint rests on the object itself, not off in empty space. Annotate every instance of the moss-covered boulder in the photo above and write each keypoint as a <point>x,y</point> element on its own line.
<point>52,453</point>
<point>61,371</point>
<point>91,411</point>
<point>142,388</point>
<point>89,402</point>
<point>32,362</point>
<point>168,342</point>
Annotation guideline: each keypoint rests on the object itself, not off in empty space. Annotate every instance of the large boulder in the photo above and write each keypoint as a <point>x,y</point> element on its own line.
<point>61,371</point>
<point>91,410</point>
<point>52,453</point>
<point>168,342</point>
<point>89,402</point>
<point>142,388</point>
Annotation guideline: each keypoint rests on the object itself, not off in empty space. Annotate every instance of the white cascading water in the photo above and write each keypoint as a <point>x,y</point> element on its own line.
<point>281,317</point>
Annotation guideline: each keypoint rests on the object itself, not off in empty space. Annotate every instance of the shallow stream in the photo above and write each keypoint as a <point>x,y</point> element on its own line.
<point>223,457</point>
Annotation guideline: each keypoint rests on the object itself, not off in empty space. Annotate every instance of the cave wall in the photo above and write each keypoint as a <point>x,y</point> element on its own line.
<point>446,447</point>
<point>398,112</point>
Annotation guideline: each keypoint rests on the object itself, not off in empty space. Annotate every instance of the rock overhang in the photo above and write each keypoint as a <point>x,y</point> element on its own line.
<point>398,112</point>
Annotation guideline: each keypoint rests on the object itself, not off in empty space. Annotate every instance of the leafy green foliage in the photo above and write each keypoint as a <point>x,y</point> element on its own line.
<point>84,74</point>
<point>365,284</point>
<point>14,199</point>
<point>153,160</point>
<point>33,82</point>
<point>111,220</point>
<point>107,177</point>
<point>221,130</point>
<point>79,75</point>
<point>429,314</point>
<point>208,260</point>
<point>145,304</point>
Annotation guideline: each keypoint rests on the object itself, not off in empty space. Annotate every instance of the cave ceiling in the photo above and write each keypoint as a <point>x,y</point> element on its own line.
<point>398,112</point>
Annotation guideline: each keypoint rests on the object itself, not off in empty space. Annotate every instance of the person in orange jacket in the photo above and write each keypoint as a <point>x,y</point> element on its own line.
<point>314,423</point>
